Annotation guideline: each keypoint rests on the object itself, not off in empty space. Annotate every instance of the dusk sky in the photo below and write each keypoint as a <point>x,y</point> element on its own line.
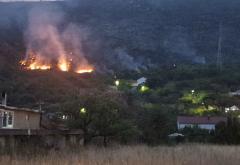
<point>25,0</point>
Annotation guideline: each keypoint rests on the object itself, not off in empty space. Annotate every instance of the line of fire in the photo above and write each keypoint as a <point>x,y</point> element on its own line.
<point>36,62</point>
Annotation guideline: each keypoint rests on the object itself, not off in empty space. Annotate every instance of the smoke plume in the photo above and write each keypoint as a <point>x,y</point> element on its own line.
<point>178,43</point>
<point>50,41</point>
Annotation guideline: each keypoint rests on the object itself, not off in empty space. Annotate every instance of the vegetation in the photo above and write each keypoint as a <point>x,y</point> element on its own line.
<point>119,112</point>
<point>131,155</point>
<point>181,79</point>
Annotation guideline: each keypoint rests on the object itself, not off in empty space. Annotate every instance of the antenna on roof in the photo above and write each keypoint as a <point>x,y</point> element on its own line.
<point>4,99</point>
<point>40,103</point>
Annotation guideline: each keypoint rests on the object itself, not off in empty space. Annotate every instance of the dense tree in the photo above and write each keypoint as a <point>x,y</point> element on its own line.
<point>99,114</point>
<point>228,133</point>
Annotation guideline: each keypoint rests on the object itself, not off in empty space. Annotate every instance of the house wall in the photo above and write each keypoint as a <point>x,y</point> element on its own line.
<point>202,126</point>
<point>26,120</point>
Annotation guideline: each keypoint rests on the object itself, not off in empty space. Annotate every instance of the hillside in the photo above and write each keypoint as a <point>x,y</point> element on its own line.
<point>139,33</point>
<point>173,44</point>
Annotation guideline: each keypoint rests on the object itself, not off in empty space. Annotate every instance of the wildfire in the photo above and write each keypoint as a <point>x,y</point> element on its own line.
<point>63,64</point>
<point>80,71</point>
<point>34,64</point>
<point>49,45</point>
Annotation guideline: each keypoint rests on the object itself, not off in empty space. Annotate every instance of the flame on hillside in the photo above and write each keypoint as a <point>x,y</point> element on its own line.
<point>84,71</point>
<point>35,66</point>
<point>34,62</point>
<point>52,46</point>
<point>65,65</point>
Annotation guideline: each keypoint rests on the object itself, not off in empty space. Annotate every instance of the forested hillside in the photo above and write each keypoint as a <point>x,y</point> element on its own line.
<point>138,33</point>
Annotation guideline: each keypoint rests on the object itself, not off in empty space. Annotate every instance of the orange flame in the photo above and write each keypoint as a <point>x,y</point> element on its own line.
<point>35,63</point>
<point>64,65</point>
<point>35,66</point>
<point>81,71</point>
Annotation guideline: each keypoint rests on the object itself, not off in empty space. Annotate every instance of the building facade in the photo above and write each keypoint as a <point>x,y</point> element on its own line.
<point>19,118</point>
<point>208,123</point>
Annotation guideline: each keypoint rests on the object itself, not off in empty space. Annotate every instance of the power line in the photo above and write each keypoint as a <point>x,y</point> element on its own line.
<point>219,54</point>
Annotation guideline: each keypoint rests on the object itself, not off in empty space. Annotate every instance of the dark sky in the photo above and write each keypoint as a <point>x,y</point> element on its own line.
<point>24,0</point>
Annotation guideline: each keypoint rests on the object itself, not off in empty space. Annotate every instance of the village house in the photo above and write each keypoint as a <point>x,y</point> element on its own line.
<point>232,109</point>
<point>19,118</point>
<point>208,123</point>
<point>17,123</point>
<point>139,82</point>
<point>236,93</point>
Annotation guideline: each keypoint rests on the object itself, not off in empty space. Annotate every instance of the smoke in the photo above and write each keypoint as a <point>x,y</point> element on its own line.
<point>53,41</point>
<point>178,43</point>
<point>126,61</point>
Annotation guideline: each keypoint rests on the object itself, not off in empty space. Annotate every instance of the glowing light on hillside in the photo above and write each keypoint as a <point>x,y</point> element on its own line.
<point>144,88</point>
<point>193,91</point>
<point>83,111</point>
<point>117,82</point>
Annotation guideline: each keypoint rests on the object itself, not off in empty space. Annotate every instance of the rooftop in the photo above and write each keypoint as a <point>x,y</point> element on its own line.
<point>9,108</point>
<point>201,120</point>
<point>7,132</point>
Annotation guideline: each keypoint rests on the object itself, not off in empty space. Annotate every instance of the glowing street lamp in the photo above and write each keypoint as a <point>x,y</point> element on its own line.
<point>83,111</point>
<point>117,82</point>
<point>193,91</point>
<point>144,88</point>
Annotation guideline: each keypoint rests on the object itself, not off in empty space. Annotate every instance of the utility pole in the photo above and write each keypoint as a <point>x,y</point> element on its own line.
<point>219,55</point>
<point>40,105</point>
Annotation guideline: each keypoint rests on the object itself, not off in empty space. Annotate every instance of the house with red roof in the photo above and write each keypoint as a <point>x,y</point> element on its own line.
<point>203,122</point>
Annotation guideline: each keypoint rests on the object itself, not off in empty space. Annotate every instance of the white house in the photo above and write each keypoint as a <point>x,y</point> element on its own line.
<point>140,81</point>
<point>233,108</point>
<point>236,93</point>
<point>208,123</point>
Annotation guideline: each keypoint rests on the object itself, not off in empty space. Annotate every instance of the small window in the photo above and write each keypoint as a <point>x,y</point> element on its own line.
<point>27,117</point>
<point>10,118</point>
<point>7,120</point>
<point>4,120</point>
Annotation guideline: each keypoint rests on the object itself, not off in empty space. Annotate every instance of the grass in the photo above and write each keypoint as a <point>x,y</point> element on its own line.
<point>134,155</point>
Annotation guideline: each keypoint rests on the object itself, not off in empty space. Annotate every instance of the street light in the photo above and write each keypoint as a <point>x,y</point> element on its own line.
<point>83,111</point>
<point>117,82</point>
<point>144,88</point>
<point>193,91</point>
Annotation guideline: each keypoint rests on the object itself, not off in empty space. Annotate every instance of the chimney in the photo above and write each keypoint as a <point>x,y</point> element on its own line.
<point>4,99</point>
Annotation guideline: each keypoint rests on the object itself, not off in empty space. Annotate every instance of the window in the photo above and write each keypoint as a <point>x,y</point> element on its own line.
<point>27,117</point>
<point>10,118</point>
<point>4,119</point>
<point>7,119</point>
